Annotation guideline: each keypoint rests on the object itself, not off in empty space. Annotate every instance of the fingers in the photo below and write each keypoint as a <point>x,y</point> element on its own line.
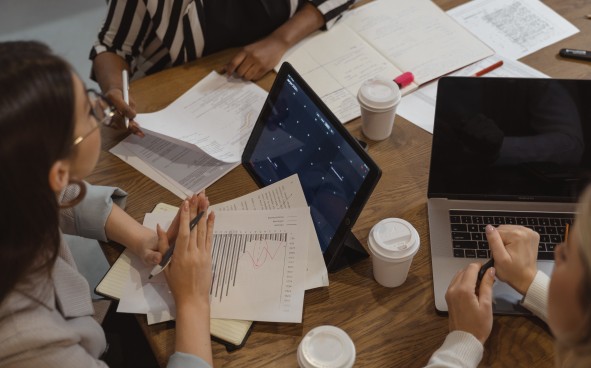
<point>235,62</point>
<point>209,237</point>
<point>201,233</point>
<point>182,239</point>
<point>485,292</point>
<point>496,245</point>
<point>162,240</point>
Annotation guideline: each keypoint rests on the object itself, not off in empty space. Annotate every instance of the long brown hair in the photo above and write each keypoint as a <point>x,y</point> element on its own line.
<point>36,129</point>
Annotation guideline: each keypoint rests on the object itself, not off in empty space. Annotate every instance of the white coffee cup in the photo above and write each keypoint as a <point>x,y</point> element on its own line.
<point>326,347</point>
<point>378,99</point>
<point>393,242</point>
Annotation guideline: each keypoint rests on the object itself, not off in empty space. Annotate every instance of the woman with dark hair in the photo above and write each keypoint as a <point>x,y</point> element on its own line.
<point>49,144</point>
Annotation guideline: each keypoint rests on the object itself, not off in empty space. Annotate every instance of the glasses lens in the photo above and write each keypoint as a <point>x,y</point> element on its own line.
<point>102,110</point>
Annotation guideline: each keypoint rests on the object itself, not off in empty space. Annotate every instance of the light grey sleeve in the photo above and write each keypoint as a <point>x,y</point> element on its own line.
<point>183,360</point>
<point>88,218</point>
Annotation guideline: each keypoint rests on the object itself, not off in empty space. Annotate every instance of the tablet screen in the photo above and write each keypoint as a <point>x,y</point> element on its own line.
<point>296,133</point>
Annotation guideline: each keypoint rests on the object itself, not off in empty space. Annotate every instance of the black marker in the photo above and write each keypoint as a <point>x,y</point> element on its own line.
<point>483,269</point>
<point>575,54</point>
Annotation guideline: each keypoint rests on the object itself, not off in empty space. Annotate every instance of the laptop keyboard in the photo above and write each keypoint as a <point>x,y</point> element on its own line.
<point>469,238</point>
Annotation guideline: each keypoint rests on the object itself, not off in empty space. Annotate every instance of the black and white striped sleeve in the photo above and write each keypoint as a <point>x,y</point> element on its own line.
<point>332,9</point>
<point>124,31</point>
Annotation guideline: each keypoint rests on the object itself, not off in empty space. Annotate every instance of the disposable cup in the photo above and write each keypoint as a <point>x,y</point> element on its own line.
<point>393,242</point>
<point>326,347</point>
<point>378,99</point>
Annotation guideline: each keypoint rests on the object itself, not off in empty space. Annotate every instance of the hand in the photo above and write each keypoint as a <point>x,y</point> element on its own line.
<point>256,59</point>
<point>115,95</point>
<point>515,250</point>
<point>189,272</point>
<point>470,311</point>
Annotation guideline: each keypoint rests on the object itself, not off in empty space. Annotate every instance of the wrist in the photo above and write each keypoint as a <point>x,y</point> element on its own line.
<point>192,306</point>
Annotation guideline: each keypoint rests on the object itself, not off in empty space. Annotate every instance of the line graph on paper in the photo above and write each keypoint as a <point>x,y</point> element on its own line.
<point>253,266</point>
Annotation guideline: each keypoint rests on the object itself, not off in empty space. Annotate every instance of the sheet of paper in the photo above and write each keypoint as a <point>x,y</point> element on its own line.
<point>419,106</point>
<point>258,269</point>
<point>335,63</point>
<point>417,36</point>
<point>382,39</point>
<point>513,28</point>
<point>286,193</point>
<point>182,170</point>
<point>216,115</point>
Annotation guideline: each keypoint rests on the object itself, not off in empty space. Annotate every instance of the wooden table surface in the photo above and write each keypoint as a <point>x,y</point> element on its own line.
<point>396,327</point>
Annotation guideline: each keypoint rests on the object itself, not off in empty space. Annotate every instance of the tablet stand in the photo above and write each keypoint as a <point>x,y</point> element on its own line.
<point>351,252</point>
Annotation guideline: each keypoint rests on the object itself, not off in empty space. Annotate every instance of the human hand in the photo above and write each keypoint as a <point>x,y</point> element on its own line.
<point>115,96</point>
<point>189,272</point>
<point>515,251</point>
<point>470,310</point>
<point>256,59</point>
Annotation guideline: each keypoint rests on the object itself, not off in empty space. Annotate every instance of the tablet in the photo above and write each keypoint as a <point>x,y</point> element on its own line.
<point>297,134</point>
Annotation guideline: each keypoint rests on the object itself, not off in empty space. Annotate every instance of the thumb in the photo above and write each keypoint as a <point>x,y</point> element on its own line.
<point>495,243</point>
<point>485,291</point>
<point>162,240</point>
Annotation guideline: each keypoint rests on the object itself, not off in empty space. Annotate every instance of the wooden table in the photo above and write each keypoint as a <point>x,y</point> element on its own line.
<point>390,327</point>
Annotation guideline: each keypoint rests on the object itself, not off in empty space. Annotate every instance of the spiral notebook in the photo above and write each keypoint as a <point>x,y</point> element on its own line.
<point>232,333</point>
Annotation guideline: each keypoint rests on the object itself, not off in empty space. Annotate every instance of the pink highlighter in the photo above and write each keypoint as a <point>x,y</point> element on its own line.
<point>404,79</point>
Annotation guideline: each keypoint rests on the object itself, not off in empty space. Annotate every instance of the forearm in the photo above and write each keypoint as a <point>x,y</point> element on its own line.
<point>107,67</point>
<point>125,230</point>
<point>305,21</point>
<point>193,331</point>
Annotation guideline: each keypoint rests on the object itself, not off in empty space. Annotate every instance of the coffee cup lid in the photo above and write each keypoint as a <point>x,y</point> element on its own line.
<point>378,93</point>
<point>326,347</point>
<point>394,238</point>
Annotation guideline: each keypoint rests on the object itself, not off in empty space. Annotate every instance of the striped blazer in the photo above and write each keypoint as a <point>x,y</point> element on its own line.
<point>152,35</point>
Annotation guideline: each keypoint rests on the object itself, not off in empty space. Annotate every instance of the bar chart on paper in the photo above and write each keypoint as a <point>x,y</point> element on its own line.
<point>259,273</point>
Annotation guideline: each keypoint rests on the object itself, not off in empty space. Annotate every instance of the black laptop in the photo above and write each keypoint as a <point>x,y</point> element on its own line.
<point>505,151</point>
<point>297,134</point>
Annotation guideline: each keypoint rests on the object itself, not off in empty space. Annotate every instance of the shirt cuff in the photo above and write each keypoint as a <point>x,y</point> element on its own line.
<point>184,360</point>
<point>460,349</point>
<point>536,297</point>
<point>95,208</point>
<point>331,10</point>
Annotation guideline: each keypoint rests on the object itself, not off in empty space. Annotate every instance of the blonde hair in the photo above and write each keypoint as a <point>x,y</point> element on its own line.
<point>579,354</point>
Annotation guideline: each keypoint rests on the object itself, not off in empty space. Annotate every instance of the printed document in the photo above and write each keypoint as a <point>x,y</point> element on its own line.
<point>262,243</point>
<point>513,28</point>
<point>382,39</point>
<point>198,138</point>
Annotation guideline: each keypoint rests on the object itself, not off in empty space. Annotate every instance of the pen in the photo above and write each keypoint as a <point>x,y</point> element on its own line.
<point>125,78</point>
<point>489,69</point>
<point>575,54</point>
<point>404,79</point>
<point>167,256</point>
<point>483,269</point>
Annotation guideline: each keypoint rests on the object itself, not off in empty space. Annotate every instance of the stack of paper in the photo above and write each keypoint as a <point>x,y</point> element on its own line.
<point>265,255</point>
<point>198,138</point>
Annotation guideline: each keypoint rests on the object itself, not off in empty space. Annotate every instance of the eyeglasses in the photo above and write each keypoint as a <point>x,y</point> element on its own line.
<point>102,110</point>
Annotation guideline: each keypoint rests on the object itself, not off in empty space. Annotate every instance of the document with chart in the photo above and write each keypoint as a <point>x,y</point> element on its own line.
<point>259,268</point>
<point>259,265</point>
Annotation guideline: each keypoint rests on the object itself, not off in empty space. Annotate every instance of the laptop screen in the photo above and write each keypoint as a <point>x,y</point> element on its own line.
<point>296,133</point>
<point>511,139</point>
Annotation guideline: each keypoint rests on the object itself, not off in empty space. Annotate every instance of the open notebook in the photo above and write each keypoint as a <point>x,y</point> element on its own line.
<point>232,333</point>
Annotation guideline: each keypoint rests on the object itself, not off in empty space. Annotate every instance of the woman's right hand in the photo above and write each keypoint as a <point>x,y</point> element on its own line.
<point>115,96</point>
<point>189,272</point>
<point>515,251</point>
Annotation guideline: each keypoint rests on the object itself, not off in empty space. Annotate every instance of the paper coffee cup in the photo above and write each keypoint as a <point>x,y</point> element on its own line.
<point>393,242</point>
<point>326,347</point>
<point>378,99</point>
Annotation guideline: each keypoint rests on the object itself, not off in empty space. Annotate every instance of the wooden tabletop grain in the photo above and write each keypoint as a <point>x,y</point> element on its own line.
<point>396,327</point>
